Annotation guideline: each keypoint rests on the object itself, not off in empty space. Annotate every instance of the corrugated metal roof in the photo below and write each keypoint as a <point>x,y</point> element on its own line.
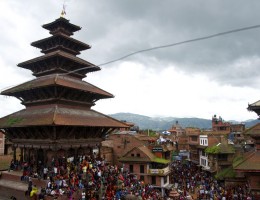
<point>49,115</point>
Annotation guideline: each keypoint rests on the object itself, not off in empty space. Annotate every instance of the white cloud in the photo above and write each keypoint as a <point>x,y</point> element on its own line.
<point>169,92</point>
<point>218,76</point>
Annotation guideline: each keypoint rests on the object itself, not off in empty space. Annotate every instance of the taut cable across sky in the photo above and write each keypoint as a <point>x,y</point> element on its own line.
<point>169,45</point>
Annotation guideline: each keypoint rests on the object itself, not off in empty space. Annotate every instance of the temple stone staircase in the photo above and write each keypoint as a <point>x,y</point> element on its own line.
<point>11,185</point>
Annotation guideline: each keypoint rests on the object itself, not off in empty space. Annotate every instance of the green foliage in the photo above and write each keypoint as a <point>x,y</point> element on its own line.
<point>150,132</point>
<point>161,160</point>
<point>226,173</point>
<point>12,121</point>
<point>237,160</point>
<point>212,150</point>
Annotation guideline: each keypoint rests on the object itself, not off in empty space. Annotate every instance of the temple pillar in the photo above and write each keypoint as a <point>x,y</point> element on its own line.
<point>25,157</point>
<point>91,152</point>
<point>99,151</point>
<point>14,153</point>
<point>21,154</point>
<point>40,159</point>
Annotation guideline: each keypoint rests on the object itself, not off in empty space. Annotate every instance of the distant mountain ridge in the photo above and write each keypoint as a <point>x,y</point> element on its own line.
<point>165,123</point>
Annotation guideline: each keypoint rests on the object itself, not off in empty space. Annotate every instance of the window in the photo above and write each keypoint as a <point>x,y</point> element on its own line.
<point>138,155</point>
<point>131,168</point>
<point>141,168</point>
<point>153,180</point>
<point>165,179</point>
<point>133,155</point>
<point>202,153</point>
<point>222,157</point>
<point>194,138</point>
<point>141,178</point>
<point>203,162</point>
<point>204,141</point>
<point>118,147</point>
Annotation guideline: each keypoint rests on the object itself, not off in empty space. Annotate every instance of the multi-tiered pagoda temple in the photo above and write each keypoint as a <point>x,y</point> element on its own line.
<point>57,119</point>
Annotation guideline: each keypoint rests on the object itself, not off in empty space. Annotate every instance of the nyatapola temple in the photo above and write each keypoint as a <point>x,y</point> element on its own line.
<point>57,119</point>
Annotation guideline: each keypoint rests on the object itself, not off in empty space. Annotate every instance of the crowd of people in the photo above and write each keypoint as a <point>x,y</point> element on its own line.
<point>189,178</point>
<point>86,177</point>
<point>89,177</point>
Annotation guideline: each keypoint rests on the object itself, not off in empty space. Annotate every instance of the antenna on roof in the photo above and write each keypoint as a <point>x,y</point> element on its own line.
<point>63,12</point>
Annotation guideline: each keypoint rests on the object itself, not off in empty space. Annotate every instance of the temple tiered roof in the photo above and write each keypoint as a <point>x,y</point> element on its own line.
<point>58,100</point>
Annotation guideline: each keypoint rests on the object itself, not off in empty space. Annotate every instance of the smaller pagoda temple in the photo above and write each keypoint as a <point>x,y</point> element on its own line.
<point>58,119</point>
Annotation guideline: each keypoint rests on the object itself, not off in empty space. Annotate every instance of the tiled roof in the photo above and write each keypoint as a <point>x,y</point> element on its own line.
<point>254,130</point>
<point>221,149</point>
<point>64,81</point>
<point>147,152</point>
<point>214,133</point>
<point>251,164</point>
<point>64,22</point>
<point>226,149</point>
<point>59,115</point>
<point>63,54</point>
<point>80,45</point>
<point>145,137</point>
<point>107,143</point>
<point>257,103</point>
<point>149,156</point>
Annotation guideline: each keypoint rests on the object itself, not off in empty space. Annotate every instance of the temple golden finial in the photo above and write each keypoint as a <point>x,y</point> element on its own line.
<point>63,12</point>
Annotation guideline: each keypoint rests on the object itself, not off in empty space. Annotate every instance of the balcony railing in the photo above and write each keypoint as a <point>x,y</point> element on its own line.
<point>159,171</point>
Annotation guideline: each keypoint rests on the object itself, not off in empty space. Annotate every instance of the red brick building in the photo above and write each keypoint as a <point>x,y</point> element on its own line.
<point>193,142</point>
<point>144,163</point>
<point>123,142</point>
<point>249,167</point>
<point>179,136</point>
<point>218,124</point>
<point>146,157</point>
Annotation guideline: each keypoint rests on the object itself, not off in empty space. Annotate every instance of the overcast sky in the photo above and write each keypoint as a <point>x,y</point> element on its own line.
<point>216,76</point>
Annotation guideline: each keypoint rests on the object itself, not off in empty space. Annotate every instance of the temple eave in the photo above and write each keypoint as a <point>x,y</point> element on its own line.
<point>63,21</point>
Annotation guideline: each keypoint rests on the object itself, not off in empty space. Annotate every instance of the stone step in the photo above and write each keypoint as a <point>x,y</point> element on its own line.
<point>11,185</point>
<point>16,176</point>
<point>12,188</point>
<point>12,175</point>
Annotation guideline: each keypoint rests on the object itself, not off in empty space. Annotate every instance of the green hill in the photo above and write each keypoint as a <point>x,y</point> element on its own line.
<point>165,123</point>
